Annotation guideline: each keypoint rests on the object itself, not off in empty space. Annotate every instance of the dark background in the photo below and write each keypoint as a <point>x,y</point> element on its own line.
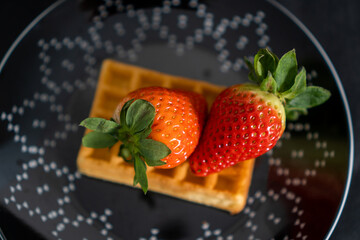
<point>336,24</point>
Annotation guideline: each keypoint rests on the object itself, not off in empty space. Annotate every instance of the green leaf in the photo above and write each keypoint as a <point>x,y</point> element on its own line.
<point>125,153</point>
<point>265,61</point>
<point>140,174</point>
<point>311,97</point>
<point>123,112</point>
<point>154,163</point>
<point>286,71</point>
<point>298,87</point>
<point>146,132</point>
<point>252,76</point>
<point>98,140</point>
<point>140,115</point>
<point>270,60</point>
<point>100,125</point>
<point>269,84</point>
<point>259,70</point>
<point>293,114</point>
<point>153,150</point>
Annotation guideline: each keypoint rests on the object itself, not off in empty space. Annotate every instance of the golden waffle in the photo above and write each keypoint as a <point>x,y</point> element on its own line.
<point>226,190</point>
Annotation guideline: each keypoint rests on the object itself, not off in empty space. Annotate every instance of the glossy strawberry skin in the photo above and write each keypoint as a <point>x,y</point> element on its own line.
<point>244,123</point>
<point>178,122</point>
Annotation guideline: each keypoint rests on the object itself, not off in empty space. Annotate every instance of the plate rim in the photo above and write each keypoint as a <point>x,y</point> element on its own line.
<point>338,82</point>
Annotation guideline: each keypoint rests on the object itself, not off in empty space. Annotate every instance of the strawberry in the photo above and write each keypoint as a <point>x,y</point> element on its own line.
<point>247,120</point>
<point>178,122</point>
<point>157,126</point>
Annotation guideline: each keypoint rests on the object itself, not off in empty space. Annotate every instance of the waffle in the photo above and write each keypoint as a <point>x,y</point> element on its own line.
<point>226,190</point>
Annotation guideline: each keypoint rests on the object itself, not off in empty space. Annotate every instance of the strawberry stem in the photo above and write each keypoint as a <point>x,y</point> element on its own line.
<point>281,78</point>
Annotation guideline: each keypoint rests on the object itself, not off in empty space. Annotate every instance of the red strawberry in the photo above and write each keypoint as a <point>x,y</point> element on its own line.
<point>178,122</point>
<point>157,126</point>
<point>247,120</point>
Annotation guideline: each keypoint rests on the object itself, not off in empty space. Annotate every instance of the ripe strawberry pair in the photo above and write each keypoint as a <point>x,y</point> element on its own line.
<point>162,127</point>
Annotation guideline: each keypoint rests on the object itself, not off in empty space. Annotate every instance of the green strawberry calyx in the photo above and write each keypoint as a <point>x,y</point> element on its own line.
<point>133,129</point>
<point>282,78</point>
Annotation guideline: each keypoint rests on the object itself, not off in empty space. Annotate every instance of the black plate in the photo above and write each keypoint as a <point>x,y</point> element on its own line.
<point>48,80</point>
